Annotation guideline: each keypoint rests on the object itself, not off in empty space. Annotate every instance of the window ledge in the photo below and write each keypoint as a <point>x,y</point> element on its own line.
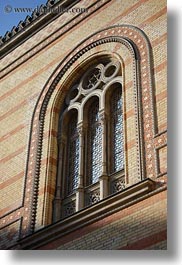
<point>95,212</point>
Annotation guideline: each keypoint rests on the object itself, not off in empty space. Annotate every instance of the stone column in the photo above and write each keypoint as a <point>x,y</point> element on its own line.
<point>80,189</point>
<point>104,176</point>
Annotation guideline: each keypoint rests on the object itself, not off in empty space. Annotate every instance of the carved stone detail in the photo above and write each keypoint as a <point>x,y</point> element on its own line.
<point>118,185</point>
<point>69,208</point>
<point>93,197</point>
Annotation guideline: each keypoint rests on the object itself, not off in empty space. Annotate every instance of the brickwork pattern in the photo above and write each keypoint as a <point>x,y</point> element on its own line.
<point>162,156</point>
<point>159,246</point>
<point>23,83</point>
<point>130,229</point>
<point>123,231</point>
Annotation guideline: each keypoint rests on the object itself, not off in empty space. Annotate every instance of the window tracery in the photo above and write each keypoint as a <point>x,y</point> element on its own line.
<point>97,154</point>
<point>93,78</point>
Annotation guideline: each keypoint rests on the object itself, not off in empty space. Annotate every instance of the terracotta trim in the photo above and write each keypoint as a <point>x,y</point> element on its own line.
<point>11,215</point>
<point>161,138</point>
<point>10,209</point>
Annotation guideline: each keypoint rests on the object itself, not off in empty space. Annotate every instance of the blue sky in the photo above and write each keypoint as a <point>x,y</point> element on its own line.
<point>10,18</point>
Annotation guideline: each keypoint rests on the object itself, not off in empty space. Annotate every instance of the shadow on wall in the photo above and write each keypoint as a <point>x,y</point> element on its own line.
<point>8,237</point>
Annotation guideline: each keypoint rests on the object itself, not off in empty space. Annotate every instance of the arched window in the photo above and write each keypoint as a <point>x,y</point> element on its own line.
<point>94,144</point>
<point>117,135</point>
<point>72,156</point>
<point>93,166</point>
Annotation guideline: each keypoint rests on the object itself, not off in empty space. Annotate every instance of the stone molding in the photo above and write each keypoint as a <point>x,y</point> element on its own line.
<point>101,209</point>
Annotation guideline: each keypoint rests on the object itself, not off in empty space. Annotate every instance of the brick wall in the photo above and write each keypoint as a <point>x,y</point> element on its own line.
<point>137,227</point>
<point>25,71</point>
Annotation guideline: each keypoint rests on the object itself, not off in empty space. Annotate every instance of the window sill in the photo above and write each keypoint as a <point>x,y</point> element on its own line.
<point>95,212</point>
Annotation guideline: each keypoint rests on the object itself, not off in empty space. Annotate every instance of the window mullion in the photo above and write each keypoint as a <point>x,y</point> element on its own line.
<point>104,177</point>
<point>80,189</point>
<point>60,166</point>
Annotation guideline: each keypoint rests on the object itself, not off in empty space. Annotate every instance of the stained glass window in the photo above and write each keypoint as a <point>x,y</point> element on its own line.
<point>117,143</point>
<point>94,143</point>
<point>73,155</point>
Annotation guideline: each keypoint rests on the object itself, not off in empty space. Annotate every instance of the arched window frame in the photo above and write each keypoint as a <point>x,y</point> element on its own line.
<point>117,179</point>
<point>90,193</point>
<point>131,40</point>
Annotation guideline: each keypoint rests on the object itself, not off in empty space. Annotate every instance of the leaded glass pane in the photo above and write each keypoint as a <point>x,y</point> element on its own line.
<point>117,131</point>
<point>73,156</point>
<point>95,144</point>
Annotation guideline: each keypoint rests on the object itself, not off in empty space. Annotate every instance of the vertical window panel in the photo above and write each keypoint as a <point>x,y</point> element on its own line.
<point>73,155</point>
<point>117,135</point>
<point>94,144</point>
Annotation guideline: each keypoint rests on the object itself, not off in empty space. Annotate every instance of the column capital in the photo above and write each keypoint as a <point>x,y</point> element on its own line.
<point>80,188</point>
<point>103,177</point>
<point>81,127</point>
<point>102,116</point>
